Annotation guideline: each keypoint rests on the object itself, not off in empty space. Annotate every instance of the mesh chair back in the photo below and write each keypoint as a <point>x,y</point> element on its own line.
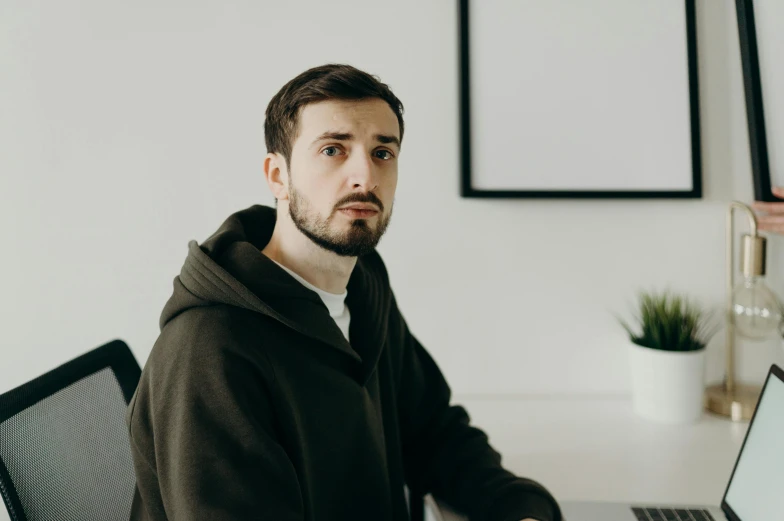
<point>64,447</point>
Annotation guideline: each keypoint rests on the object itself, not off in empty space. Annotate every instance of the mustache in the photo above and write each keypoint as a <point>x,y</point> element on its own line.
<point>369,197</point>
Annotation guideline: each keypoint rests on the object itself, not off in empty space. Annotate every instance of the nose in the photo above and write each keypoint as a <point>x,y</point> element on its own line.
<point>363,172</point>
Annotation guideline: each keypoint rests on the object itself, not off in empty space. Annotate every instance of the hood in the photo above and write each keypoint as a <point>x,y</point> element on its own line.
<point>229,268</point>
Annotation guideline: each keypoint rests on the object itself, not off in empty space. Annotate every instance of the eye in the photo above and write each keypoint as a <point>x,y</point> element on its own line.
<point>331,151</point>
<point>384,154</point>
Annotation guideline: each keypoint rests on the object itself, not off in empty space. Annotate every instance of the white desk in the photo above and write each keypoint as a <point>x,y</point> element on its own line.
<point>587,448</point>
<point>597,449</point>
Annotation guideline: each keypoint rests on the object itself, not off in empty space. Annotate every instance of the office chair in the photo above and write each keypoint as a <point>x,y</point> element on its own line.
<point>64,447</point>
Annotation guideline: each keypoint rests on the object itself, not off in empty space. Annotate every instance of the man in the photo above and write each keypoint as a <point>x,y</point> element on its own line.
<point>285,384</point>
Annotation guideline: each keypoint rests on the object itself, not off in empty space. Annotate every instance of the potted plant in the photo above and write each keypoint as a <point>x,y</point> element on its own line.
<point>667,357</point>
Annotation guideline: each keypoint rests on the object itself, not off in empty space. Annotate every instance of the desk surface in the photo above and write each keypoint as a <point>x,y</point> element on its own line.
<point>595,448</point>
<point>589,448</point>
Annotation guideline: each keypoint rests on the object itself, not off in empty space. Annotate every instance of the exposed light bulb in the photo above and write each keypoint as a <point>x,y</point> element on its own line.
<point>757,311</point>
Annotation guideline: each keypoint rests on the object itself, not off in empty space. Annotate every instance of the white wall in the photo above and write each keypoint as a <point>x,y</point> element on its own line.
<point>127,129</point>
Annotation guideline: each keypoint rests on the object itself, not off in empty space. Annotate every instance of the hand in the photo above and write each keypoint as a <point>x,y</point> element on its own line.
<point>773,218</point>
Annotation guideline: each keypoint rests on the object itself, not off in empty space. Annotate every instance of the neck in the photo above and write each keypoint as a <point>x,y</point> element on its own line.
<point>322,268</point>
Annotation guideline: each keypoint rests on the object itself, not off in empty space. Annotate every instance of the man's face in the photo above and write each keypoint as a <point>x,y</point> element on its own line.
<point>344,156</point>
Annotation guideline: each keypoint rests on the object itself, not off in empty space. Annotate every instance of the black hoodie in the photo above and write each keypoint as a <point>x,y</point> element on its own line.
<point>253,405</point>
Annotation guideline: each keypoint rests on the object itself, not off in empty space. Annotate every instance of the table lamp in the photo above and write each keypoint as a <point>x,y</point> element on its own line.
<point>752,311</point>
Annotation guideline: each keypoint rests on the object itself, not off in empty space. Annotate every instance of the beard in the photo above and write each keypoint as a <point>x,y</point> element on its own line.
<point>359,239</point>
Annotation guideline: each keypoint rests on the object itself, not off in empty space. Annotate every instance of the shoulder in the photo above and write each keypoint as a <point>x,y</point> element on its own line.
<point>206,362</point>
<point>204,344</point>
<point>204,332</point>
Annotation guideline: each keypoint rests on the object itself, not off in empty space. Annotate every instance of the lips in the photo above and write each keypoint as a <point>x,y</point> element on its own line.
<point>360,207</point>
<point>358,212</point>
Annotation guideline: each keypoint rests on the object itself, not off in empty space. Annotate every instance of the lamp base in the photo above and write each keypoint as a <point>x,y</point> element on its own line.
<point>738,406</point>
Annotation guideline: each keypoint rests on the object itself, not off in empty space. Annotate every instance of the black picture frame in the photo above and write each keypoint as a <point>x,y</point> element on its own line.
<point>755,114</point>
<point>467,190</point>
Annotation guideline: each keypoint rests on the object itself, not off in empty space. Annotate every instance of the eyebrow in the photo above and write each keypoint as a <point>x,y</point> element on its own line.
<point>347,136</point>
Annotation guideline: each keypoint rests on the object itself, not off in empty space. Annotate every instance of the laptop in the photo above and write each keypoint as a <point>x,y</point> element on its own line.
<point>755,491</point>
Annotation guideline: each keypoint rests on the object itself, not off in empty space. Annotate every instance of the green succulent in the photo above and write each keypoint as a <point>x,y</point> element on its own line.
<point>670,322</point>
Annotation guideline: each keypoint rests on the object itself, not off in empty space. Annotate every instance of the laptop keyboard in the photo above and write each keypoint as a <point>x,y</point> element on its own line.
<point>671,514</point>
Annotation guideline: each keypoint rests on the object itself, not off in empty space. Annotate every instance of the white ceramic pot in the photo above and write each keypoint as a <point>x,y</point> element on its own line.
<point>667,386</point>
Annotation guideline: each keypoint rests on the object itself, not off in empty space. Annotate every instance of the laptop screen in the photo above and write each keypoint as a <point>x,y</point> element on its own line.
<point>756,490</point>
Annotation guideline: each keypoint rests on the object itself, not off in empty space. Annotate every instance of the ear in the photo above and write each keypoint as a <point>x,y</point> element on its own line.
<point>277,175</point>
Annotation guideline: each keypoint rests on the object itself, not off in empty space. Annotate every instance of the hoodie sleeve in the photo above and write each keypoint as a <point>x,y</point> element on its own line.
<point>203,442</point>
<point>446,456</point>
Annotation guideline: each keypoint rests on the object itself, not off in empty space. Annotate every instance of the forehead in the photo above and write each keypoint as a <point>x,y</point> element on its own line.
<point>369,116</point>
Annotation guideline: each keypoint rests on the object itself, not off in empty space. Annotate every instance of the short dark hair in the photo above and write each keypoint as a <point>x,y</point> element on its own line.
<point>322,83</point>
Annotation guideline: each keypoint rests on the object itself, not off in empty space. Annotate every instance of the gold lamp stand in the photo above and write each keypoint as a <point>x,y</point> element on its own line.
<point>730,398</point>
